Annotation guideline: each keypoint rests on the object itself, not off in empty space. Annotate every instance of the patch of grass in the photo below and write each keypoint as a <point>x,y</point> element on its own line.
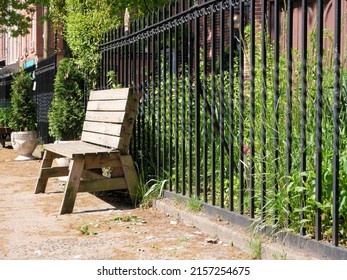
<point>126,219</point>
<point>194,204</point>
<point>255,246</point>
<point>129,219</point>
<point>153,190</point>
<point>85,229</point>
<point>280,256</point>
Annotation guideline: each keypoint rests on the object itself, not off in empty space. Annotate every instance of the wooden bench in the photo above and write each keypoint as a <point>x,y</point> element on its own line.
<point>5,133</point>
<point>104,143</point>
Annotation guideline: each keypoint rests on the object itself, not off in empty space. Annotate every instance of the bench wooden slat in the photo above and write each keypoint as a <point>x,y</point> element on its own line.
<point>112,117</point>
<point>69,148</point>
<point>54,172</point>
<point>102,185</point>
<point>105,128</point>
<point>108,94</point>
<point>109,105</point>
<point>103,160</point>
<point>101,139</point>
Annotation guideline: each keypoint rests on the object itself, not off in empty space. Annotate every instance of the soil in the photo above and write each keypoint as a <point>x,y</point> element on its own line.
<point>98,229</point>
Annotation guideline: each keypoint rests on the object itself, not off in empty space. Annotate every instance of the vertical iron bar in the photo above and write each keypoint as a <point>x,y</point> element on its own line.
<point>118,71</point>
<point>221,104</point>
<point>101,80</point>
<point>205,148</point>
<point>176,107</point>
<point>148,97</point>
<point>303,142</point>
<point>319,105</point>
<point>336,109</point>
<point>102,66</point>
<point>183,126</point>
<point>263,110</point>
<point>252,100</point>
<point>213,112</point>
<point>143,101</point>
<point>241,105</point>
<point>159,118</point>
<point>126,58</point>
<point>164,65</point>
<point>153,101</point>
<point>132,84</point>
<point>289,100</point>
<point>123,54</point>
<point>231,106</point>
<point>104,56</point>
<point>197,104</point>
<point>276,99</point>
<point>190,109</point>
<point>133,58</point>
<point>138,86</point>
<point>106,62</point>
<point>110,64</point>
<point>114,68</point>
<point>170,101</point>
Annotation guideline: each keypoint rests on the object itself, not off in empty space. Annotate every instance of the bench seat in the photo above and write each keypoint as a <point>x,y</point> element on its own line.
<point>69,149</point>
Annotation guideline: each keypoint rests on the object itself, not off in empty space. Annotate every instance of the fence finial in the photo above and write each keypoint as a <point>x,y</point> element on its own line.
<point>126,21</point>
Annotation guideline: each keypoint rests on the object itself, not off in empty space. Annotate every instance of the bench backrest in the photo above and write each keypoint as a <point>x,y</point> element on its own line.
<point>110,118</point>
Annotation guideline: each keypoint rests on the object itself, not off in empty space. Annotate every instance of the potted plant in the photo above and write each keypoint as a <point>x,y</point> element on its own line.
<point>23,116</point>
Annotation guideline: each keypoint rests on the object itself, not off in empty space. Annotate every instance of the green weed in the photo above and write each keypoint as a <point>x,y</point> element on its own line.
<point>85,229</point>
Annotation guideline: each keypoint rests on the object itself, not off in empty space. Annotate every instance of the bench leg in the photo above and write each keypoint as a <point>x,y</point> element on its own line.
<point>130,176</point>
<point>73,182</point>
<point>42,182</point>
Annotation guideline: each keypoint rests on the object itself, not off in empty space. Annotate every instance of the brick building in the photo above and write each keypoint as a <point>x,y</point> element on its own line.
<point>27,50</point>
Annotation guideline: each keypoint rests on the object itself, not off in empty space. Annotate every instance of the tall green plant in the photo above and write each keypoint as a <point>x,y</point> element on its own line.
<point>66,114</point>
<point>23,111</point>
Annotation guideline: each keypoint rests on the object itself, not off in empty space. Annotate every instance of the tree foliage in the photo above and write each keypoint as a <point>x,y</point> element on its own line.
<point>15,16</point>
<point>84,22</point>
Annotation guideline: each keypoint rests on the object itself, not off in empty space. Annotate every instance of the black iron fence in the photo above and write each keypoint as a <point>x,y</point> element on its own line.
<point>5,88</point>
<point>235,116</point>
<point>43,87</point>
<point>43,95</point>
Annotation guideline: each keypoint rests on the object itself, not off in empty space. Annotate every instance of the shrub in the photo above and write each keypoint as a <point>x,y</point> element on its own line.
<point>66,114</point>
<point>4,117</point>
<point>23,111</point>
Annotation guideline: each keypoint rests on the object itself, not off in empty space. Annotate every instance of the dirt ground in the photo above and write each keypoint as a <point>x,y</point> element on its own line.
<point>30,227</point>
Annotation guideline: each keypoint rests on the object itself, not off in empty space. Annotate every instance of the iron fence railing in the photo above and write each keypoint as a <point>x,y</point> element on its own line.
<point>234,115</point>
<point>43,95</point>
<point>43,86</point>
<point>5,86</point>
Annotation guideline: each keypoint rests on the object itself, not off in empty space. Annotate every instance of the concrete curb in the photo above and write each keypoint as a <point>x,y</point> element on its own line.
<point>237,237</point>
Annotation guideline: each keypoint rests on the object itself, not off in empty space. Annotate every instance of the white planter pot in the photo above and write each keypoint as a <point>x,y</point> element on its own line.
<point>24,143</point>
